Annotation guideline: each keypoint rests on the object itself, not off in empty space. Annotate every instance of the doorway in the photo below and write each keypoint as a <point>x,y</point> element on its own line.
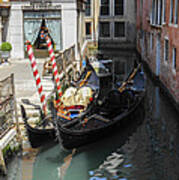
<point>37,24</point>
<point>40,42</point>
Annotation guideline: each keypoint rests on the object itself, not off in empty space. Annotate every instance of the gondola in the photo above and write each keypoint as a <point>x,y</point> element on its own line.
<point>80,97</point>
<point>39,135</point>
<point>117,107</point>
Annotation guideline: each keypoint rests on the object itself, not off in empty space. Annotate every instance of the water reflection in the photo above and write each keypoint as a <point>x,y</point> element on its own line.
<point>146,149</point>
<point>88,158</point>
<point>152,151</point>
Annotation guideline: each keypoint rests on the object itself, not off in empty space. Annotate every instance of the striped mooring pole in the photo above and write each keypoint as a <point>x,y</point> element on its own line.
<point>54,68</point>
<point>36,76</point>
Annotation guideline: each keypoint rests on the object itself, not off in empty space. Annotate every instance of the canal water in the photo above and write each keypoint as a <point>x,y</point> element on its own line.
<point>146,149</point>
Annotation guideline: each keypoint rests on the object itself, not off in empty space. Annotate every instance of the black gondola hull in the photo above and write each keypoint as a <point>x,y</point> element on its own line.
<point>70,140</point>
<point>119,111</point>
<point>40,137</point>
<point>37,137</point>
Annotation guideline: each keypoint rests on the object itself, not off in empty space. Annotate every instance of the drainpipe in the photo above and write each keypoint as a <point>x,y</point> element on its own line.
<point>94,23</point>
<point>78,37</point>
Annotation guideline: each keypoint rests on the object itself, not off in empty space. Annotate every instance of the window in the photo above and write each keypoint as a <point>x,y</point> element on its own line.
<point>171,10</point>
<point>176,12</point>
<point>157,12</point>
<point>119,29</point>
<point>88,8</point>
<point>88,29</point>
<point>104,8</point>
<point>174,58</point>
<point>160,4</point>
<point>119,7</point>
<point>104,29</point>
<point>164,13</point>
<point>153,12</point>
<point>166,50</point>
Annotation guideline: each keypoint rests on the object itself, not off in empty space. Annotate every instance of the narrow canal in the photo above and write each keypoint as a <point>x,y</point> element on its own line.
<point>146,149</point>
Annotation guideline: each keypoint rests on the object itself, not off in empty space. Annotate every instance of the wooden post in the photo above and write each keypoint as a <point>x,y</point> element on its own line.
<point>36,76</point>
<point>2,163</point>
<point>79,51</point>
<point>19,139</point>
<point>54,68</point>
<point>73,62</point>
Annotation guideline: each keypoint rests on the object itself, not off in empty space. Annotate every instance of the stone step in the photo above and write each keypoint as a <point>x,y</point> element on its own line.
<point>48,89</point>
<point>33,99</point>
<point>47,77</point>
<point>33,115</point>
<point>31,120</point>
<point>28,107</point>
<point>47,84</point>
<point>47,81</point>
<point>29,110</point>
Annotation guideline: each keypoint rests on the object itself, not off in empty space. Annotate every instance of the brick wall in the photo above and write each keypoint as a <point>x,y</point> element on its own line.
<point>168,76</point>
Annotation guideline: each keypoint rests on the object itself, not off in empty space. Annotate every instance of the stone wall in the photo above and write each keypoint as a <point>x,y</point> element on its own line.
<point>15,31</point>
<point>129,18</point>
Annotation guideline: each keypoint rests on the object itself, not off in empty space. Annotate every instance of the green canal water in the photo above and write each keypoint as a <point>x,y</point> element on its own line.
<point>147,148</point>
<point>50,162</point>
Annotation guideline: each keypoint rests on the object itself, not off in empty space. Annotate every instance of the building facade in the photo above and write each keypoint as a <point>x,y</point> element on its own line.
<point>4,14</point>
<point>158,40</point>
<point>111,22</point>
<point>28,18</point>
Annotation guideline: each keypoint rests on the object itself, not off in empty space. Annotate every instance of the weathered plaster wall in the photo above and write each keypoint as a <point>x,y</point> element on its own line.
<point>15,29</point>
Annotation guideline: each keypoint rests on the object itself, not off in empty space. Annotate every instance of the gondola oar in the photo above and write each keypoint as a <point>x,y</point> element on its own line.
<point>131,76</point>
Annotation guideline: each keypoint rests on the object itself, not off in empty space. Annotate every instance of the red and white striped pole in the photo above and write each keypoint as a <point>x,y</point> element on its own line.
<point>36,76</point>
<point>54,67</point>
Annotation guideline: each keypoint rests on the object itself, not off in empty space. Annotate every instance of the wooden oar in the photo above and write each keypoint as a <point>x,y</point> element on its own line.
<point>85,79</point>
<point>123,86</point>
<point>98,117</point>
<point>101,118</point>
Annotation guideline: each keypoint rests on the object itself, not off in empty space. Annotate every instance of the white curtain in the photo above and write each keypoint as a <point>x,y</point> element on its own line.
<point>54,27</point>
<point>31,29</point>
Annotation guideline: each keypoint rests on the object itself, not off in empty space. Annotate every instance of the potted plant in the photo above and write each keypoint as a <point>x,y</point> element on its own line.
<point>5,48</point>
